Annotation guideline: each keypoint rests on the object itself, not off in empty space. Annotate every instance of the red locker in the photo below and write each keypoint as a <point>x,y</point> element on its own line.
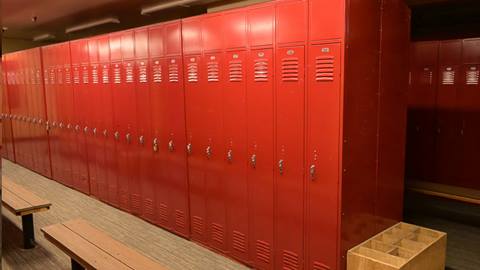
<point>176,159</point>
<point>108,190</point>
<point>158,102</point>
<point>448,122</point>
<point>8,151</point>
<point>469,107</point>
<point>196,146</point>
<point>235,135</point>
<point>421,127</point>
<point>323,155</point>
<point>142,150</point>
<point>58,126</point>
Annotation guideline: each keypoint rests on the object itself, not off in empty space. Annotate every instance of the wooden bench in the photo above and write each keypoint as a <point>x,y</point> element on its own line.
<point>24,203</point>
<point>90,248</point>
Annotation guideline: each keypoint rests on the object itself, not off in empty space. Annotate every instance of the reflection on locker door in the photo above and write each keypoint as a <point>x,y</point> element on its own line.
<point>448,121</point>
<point>289,157</point>
<point>235,160</point>
<point>323,148</point>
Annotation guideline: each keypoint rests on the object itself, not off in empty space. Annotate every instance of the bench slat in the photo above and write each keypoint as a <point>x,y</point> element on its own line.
<point>118,250</point>
<point>26,195</point>
<point>81,250</point>
<point>13,202</point>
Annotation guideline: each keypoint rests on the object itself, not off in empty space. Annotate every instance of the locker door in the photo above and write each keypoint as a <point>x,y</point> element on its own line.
<point>84,111</point>
<point>235,160</point>
<point>119,130</point>
<point>289,157</point>
<point>214,151</point>
<point>469,104</point>
<point>323,147</point>
<point>195,116</point>
<point>51,92</point>
<point>421,115</point>
<point>176,166</point>
<point>43,139</point>
<point>448,120</point>
<point>142,149</point>
<point>260,120</point>
<point>130,118</point>
<point>57,127</point>
<point>70,146</point>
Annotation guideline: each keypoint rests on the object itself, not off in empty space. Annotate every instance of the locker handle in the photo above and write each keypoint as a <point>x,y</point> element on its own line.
<point>77,128</point>
<point>155,145</point>
<point>104,133</point>
<point>230,156</point>
<point>54,124</point>
<point>253,161</point>
<point>141,140</point>
<point>47,126</point>
<point>312,171</point>
<point>69,126</point>
<point>281,166</point>
<point>85,130</point>
<point>116,135</point>
<point>127,137</point>
<point>208,151</point>
<point>60,125</point>
<point>94,131</point>
<point>171,146</point>
<point>189,148</point>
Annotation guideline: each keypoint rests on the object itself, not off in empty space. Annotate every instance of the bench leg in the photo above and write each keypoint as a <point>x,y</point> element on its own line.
<point>76,265</point>
<point>28,232</point>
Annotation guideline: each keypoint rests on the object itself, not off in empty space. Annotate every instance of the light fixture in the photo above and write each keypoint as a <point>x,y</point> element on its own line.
<point>43,37</point>
<point>165,5</point>
<point>91,24</point>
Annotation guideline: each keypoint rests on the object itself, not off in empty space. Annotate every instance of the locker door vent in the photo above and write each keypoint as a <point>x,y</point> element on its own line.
<point>135,202</point>
<point>180,219</point>
<point>129,73</point>
<point>320,266</point>
<point>37,77</point>
<point>52,77</point>
<point>157,72</point>
<point>324,67</point>
<point>148,205</point>
<point>197,225</point>
<point>448,76</point>
<point>105,77</point>
<point>263,251</point>
<point>32,76</point>
<point>472,76</point>
<point>290,69</point>
<point>173,72</point>
<point>95,74</point>
<point>217,233</point>
<point>290,260</point>
<point>68,76</point>
<point>116,74</point>
<point>123,197</point>
<point>59,77</point>
<point>260,70</point>
<point>162,213</point>
<point>142,73</point>
<point>235,71</point>
<point>427,76</point>
<point>192,72</point>
<point>239,241</point>
<point>212,71</point>
<point>85,75</point>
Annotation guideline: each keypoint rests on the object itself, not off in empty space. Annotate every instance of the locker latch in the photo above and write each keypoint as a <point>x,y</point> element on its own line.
<point>127,137</point>
<point>47,126</point>
<point>116,135</point>
<point>54,124</point>
<point>208,151</point>
<point>253,160</point>
<point>60,125</point>
<point>155,145</point>
<point>189,148</point>
<point>104,133</point>
<point>171,146</point>
<point>68,126</point>
<point>85,130</point>
<point>312,171</point>
<point>77,128</point>
<point>230,155</point>
<point>141,140</point>
<point>280,166</point>
<point>94,131</point>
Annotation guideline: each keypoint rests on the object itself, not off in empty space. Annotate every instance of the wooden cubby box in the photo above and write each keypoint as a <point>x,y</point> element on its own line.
<point>402,246</point>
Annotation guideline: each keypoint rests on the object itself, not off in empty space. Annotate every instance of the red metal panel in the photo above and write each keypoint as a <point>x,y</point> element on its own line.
<point>448,122</point>
<point>57,127</point>
<point>214,151</point>
<point>212,34</point>
<point>421,127</point>
<point>192,35</point>
<point>235,140</point>
<point>155,40</point>
<point>69,118</point>
<point>289,73</point>
<point>235,29</point>
<point>326,19</point>
<point>323,149</point>
<point>194,106</point>
<point>291,21</point>
<point>173,38</point>
<point>261,25</point>
<point>469,105</point>
<point>142,150</point>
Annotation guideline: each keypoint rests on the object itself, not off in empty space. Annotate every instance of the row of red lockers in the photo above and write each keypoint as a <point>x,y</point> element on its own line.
<point>444,113</point>
<point>225,91</point>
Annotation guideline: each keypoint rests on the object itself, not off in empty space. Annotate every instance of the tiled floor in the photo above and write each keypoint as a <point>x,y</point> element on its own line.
<point>168,249</point>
